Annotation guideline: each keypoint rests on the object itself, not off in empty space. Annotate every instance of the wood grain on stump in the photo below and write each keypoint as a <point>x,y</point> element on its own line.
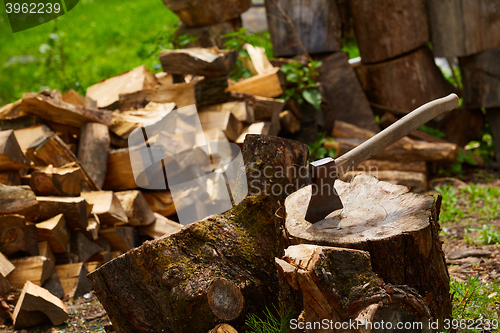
<point>398,228</point>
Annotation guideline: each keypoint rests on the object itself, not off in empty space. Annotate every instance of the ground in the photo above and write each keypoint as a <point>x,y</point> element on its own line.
<point>470,218</point>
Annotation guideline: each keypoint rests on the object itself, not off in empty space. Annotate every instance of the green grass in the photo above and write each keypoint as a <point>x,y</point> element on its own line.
<point>95,40</point>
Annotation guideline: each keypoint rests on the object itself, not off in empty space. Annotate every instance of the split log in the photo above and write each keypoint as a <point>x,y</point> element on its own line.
<point>415,181</point>
<point>162,227</point>
<point>260,128</point>
<point>19,122</point>
<point>93,150</point>
<point>210,91</point>
<point>30,239</point>
<point>120,238</point>
<point>160,202</point>
<point>36,306</point>
<point>74,279</point>
<point>107,92</point>
<point>210,62</point>
<point>11,155</point>
<point>481,77</point>
<point>73,97</point>
<point>36,269</point>
<point>83,247</point>
<point>50,181</point>
<point>340,286</point>
<point>265,85</point>
<point>195,13</point>
<point>136,208</point>
<point>316,25</point>
<point>210,35</point>
<point>182,94</point>
<point>53,151</point>
<point>75,210</point>
<point>250,236</point>
<point>457,24</point>
<point>54,231</point>
<point>242,111</point>
<point>10,110</point>
<point>119,173</point>
<point>223,120</point>
<point>405,150</point>
<point>343,96</point>
<point>30,135</point>
<point>107,207</point>
<point>93,228</point>
<point>388,84</point>
<point>264,108</point>
<point>10,178</point>
<point>19,200</point>
<point>6,267</point>
<point>44,250</point>
<point>258,62</point>
<point>402,231</point>
<point>62,112</point>
<point>53,285</point>
<point>289,123</point>
<point>223,328</point>
<point>12,234</point>
<point>386,29</point>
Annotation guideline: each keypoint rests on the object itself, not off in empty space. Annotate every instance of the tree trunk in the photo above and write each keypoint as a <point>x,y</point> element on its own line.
<point>461,27</point>
<point>315,24</point>
<point>343,96</point>
<point>162,286</point>
<point>389,28</point>
<point>403,84</point>
<point>398,228</point>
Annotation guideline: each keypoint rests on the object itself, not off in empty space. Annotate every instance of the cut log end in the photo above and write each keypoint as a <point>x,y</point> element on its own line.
<point>225,299</point>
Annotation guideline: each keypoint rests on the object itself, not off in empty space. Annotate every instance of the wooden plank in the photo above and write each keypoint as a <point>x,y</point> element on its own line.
<point>11,155</point>
<point>210,62</point>
<point>74,279</point>
<point>75,210</point>
<point>136,208</point>
<point>461,27</point>
<point>62,112</point>
<point>36,269</point>
<point>265,85</point>
<point>162,227</point>
<point>93,150</point>
<point>343,96</point>
<point>19,200</point>
<point>107,207</point>
<point>54,231</point>
<point>316,23</point>
<point>36,306</point>
<point>107,92</point>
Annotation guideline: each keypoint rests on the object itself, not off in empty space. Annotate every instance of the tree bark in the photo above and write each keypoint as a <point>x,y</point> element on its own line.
<point>399,229</point>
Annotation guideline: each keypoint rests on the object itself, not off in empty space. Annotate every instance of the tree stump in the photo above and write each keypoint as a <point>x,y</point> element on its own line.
<point>461,27</point>
<point>166,284</point>
<point>389,28</point>
<point>481,79</point>
<point>314,24</point>
<point>398,228</point>
<point>340,286</point>
<point>403,84</point>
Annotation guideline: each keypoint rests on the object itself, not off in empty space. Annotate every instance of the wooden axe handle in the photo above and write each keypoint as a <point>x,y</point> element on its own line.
<point>395,132</point>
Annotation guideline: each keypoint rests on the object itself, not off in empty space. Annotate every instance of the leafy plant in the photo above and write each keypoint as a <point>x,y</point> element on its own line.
<point>236,40</point>
<point>303,82</point>
<point>271,323</point>
<point>486,236</point>
<point>318,151</point>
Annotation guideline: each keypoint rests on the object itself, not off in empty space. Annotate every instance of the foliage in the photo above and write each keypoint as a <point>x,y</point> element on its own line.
<point>236,40</point>
<point>486,236</point>
<point>270,323</point>
<point>317,149</point>
<point>477,200</point>
<point>95,40</point>
<point>475,300</point>
<point>303,82</point>
<point>350,46</point>
<point>432,131</point>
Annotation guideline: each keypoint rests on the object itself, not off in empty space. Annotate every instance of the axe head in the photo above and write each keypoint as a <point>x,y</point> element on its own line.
<point>324,197</point>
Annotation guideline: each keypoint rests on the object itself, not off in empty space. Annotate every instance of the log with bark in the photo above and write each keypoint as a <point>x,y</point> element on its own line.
<point>11,155</point>
<point>303,26</point>
<point>211,62</point>
<point>47,181</point>
<point>238,246</point>
<point>93,150</point>
<point>19,200</point>
<point>106,207</point>
<point>386,29</point>
<point>36,269</point>
<point>461,28</point>
<point>399,229</point>
<point>12,228</point>
<point>55,232</point>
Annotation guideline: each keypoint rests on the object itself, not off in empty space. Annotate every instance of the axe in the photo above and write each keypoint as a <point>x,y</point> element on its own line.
<point>324,172</point>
